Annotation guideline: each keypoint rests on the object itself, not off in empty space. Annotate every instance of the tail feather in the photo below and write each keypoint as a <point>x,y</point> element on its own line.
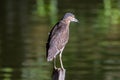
<point>52,54</point>
<point>50,58</point>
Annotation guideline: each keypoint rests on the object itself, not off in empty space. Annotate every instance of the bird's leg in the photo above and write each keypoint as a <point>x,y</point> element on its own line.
<point>60,55</point>
<point>54,63</point>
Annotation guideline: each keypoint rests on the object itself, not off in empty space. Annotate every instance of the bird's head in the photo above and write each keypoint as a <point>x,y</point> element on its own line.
<point>70,17</point>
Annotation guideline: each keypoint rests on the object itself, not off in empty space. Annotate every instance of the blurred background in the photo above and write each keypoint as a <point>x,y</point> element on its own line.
<point>93,51</point>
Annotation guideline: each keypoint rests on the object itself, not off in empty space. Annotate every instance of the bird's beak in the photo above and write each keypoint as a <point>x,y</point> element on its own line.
<point>75,20</point>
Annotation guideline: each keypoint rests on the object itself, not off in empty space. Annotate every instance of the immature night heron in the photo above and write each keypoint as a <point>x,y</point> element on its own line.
<point>58,38</point>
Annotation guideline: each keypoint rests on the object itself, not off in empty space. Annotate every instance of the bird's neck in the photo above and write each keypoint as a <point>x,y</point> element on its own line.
<point>65,21</point>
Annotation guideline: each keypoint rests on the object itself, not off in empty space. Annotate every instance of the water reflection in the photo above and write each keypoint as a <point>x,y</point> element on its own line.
<point>92,52</point>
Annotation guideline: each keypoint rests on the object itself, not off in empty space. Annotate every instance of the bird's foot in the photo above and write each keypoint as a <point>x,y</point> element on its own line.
<point>62,68</point>
<point>55,67</point>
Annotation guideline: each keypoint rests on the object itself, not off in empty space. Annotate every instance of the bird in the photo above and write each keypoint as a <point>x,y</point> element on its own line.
<point>58,38</point>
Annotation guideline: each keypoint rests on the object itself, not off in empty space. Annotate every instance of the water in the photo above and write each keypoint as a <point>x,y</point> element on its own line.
<point>91,53</point>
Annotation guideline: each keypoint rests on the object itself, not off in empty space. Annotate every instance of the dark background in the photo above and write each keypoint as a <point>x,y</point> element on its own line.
<point>93,51</point>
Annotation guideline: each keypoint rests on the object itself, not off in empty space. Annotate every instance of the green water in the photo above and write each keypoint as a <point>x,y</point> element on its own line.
<point>93,50</point>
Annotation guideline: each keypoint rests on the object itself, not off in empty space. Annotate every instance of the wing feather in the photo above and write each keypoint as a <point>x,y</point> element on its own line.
<point>57,40</point>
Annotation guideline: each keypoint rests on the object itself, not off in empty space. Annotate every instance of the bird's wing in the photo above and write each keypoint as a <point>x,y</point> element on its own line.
<point>50,50</point>
<point>54,41</point>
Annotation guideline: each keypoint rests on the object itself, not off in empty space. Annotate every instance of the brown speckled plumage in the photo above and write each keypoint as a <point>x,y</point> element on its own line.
<point>59,36</point>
